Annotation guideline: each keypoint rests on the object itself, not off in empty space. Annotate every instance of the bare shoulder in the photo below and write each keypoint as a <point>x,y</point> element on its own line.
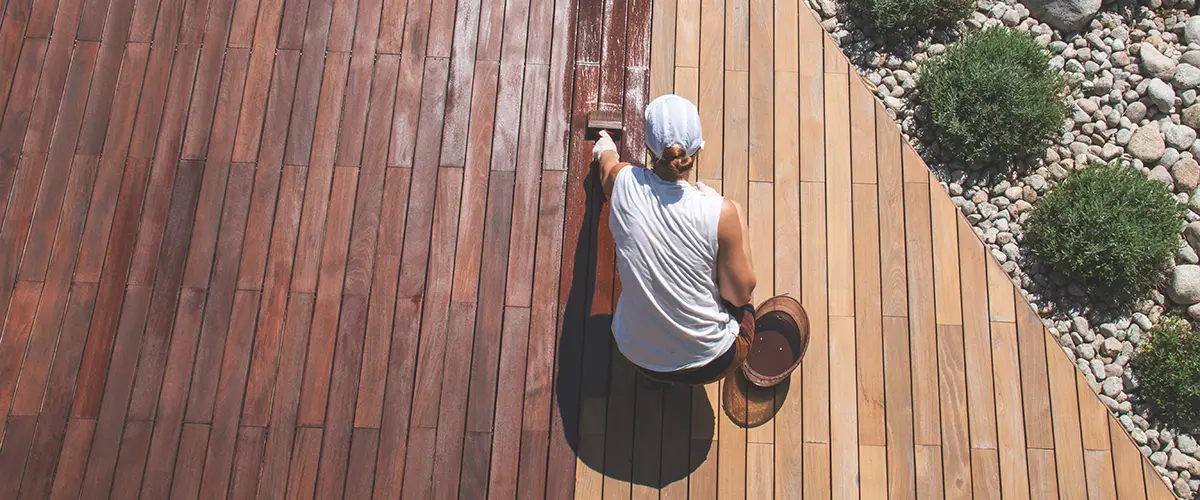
<point>730,227</point>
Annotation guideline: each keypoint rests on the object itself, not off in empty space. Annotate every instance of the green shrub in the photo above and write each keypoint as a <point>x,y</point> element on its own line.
<point>1109,229</point>
<point>994,97</point>
<point>907,17</point>
<point>1168,372</point>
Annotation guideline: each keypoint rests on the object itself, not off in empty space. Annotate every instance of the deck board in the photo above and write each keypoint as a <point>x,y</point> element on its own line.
<point>354,248</point>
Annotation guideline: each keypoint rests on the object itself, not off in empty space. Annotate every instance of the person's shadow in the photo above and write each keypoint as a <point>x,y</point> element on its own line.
<point>618,422</point>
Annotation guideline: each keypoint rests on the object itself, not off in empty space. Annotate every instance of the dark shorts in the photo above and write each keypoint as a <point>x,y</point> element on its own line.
<point>722,365</point>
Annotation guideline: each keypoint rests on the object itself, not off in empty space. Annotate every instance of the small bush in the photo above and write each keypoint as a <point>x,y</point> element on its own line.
<point>1109,229</point>
<point>994,97</point>
<point>906,17</point>
<point>1168,372</point>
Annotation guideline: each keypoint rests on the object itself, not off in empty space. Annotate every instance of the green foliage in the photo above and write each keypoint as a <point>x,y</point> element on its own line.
<point>994,97</point>
<point>1168,372</point>
<point>1109,229</point>
<point>906,17</point>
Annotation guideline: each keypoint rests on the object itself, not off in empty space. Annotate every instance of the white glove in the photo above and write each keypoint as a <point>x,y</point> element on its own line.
<point>604,143</point>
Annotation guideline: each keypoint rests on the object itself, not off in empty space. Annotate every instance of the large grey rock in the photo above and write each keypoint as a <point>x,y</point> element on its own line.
<point>1187,444</point>
<point>1161,175</point>
<point>1186,76</point>
<point>1067,15</point>
<point>1147,143</point>
<point>1191,116</point>
<point>1178,136</point>
<point>1111,347</point>
<point>1186,173</point>
<point>1155,64</point>
<point>1161,94</point>
<point>1135,111</point>
<point>1191,30</point>
<point>1185,285</point>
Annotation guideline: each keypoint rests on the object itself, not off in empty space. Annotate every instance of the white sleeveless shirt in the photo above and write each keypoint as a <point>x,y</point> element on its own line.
<point>669,315</point>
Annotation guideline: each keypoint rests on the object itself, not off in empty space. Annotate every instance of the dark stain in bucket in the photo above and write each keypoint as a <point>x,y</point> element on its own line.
<point>776,342</point>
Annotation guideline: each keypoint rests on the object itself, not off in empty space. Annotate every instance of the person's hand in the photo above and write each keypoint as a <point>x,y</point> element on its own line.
<point>604,143</point>
<point>706,189</point>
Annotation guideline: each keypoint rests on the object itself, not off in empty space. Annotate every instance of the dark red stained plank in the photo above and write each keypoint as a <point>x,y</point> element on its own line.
<point>339,418</point>
<point>489,325</point>
<point>17,328</point>
<point>491,32</point>
<point>102,459</point>
<point>418,470</point>
<point>361,471</point>
<point>16,227</point>
<point>309,88</point>
<point>452,408</point>
<point>60,158</point>
<point>202,119</point>
<point>268,335</point>
<point>216,169</point>
<point>369,407</point>
<point>531,471</point>
<point>541,29</point>
<point>241,32</point>
<point>475,183</point>
<point>525,198</point>
<point>230,389</point>
<point>17,17</point>
<point>302,477</point>
<point>114,32</point>
<point>342,25</point>
<point>366,35</point>
<point>368,205</point>
<point>324,328</point>
<point>589,32</point>
<point>172,399</point>
<point>112,101</point>
<point>278,454</point>
<point>71,463</point>
<point>506,434</point>
<point>154,209</point>
<point>397,402</point>
<point>474,481</point>
<point>508,112</point>
<point>51,309</point>
<point>111,214</point>
<point>409,91</point>
<point>112,287</point>
<point>216,326</point>
<point>562,76</point>
<point>163,63</point>
<point>257,240</point>
<point>413,263</point>
<point>250,443</point>
<point>291,31</point>
<point>434,312</point>
<point>458,97</point>
<point>320,172</point>
<point>132,460</point>
<point>190,463</point>
<point>62,64</point>
<point>48,440</point>
<point>262,136</point>
<point>14,121</point>
<point>18,437</point>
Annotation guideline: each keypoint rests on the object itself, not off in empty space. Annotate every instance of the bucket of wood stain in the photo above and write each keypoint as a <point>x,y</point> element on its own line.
<point>780,339</point>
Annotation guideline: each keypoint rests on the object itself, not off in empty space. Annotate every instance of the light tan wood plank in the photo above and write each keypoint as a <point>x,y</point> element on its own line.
<point>1008,417</point>
<point>736,174</point>
<point>835,61</point>
<point>1100,485</point>
<point>731,456</point>
<point>816,470</point>
<point>893,267</point>
<point>762,238</point>
<point>1000,293</point>
<point>922,326</point>
<point>787,34</point>
<point>840,226</point>
<point>687,84</point>
<point>901,462</point>
<point>862,131</point>
<point>703,481</point>
<point>843,401</point>
<point>1156,487</point>
<point>759,464</point>
<point>737,35</point>
<point>687,33</point>
<point>1035,382</point>
<point>1093,416</point>
<point>915,169</point>
<point>1064,406</point>
<point>978,346</point>
<point>1043,479</point>
<point>787,185</point>
<point>947,284</point>
<point>868,317</point>
<point>1127,463</point>
<point>712,87</point>
<point>929,471</point>
<point>985,475</point>
<point>815,367</point>
<point>956,452</point>
<point>812,101</point>
<point>762,94</point>
<point>662,47</point>
<point>872,462</point>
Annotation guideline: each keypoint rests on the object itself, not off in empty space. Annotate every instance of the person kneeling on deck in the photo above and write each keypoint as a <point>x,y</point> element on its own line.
<point>684,314</point>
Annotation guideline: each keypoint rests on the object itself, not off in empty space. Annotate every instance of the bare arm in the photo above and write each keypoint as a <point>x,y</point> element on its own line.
<point>735,270</point>
<point>610,166</point>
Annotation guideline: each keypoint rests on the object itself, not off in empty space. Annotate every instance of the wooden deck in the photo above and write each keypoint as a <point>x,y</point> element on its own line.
<point>350,248</point>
